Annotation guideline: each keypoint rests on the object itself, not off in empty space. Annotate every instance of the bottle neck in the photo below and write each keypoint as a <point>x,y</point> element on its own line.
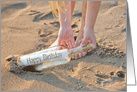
<point>76,50</point>
<point>80,49</point>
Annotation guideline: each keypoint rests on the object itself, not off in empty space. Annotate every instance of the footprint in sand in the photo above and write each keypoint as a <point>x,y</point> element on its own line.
<point>55,23</point>
<point>38,16</point>
<point>107,49</point>
<point>45,32</point>
<point>106,79</point>
<point>33,12</point>
<point>102,75</point>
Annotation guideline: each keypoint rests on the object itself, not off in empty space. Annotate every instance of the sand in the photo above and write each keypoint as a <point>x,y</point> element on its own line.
<point>28,26</point>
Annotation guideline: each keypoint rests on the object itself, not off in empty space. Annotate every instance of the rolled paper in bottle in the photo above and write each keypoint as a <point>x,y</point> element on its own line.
<point>80,49</point>
<point>15,63</point>
<point>66,57</point>
<point>88,47</point>
<point>37,53</point>
<point>33,59</point>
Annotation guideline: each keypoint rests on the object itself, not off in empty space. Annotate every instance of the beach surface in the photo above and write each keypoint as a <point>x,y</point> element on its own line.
<point>29,26</point>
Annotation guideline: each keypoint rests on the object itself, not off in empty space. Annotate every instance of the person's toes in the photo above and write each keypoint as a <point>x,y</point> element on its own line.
<point>84,53</point>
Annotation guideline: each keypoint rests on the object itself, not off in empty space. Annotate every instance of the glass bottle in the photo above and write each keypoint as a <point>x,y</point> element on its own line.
<point>65,56</point>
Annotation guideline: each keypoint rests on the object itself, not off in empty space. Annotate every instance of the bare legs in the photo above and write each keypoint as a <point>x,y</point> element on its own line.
<point>91,15</point>
<point>86,34</point>
<point>80,35</point>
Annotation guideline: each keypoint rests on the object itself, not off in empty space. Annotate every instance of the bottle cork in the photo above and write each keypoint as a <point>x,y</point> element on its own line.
<point>88,47</point>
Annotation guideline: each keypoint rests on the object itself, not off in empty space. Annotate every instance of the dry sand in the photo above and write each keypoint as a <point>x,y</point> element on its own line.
<point>29,26</point>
